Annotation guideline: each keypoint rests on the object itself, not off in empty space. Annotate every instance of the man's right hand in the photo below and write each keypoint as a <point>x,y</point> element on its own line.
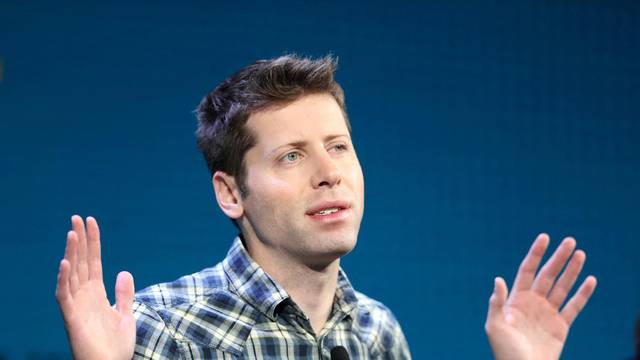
<point>95,329</point>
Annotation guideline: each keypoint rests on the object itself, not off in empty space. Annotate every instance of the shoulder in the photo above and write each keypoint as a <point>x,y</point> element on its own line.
<point>189,312</point>
<point>187,289</point>
<point>378,327</point>
<point>374,315</point>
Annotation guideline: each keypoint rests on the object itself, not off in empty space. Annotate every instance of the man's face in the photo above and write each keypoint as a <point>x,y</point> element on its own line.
<point>305,185</point>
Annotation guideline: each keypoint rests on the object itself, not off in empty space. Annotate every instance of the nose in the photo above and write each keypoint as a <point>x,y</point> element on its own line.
<point>327,173</point>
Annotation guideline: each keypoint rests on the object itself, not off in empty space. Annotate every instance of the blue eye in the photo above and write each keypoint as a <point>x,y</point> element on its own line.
<point>291,157</point>
<point>340,147</point>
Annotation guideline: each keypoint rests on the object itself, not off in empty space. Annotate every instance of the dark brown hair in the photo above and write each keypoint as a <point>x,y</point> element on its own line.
<point>222,135</point>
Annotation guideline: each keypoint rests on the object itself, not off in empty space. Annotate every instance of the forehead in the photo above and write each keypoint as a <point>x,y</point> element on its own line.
<point>312,116</point>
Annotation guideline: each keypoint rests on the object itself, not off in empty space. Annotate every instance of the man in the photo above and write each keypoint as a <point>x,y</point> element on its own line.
<point>276,138</point>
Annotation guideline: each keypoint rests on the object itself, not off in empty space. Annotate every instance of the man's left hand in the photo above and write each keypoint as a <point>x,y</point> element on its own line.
<point>531,323</point>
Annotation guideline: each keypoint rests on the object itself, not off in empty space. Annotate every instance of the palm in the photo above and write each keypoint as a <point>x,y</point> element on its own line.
<point>95,329</point>
<point>548,332</point>
<point>528,324</point>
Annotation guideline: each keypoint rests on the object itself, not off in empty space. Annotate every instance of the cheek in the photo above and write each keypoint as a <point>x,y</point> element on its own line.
<point>357,179</point>
<point>272,192</point>
<point>356,176</point>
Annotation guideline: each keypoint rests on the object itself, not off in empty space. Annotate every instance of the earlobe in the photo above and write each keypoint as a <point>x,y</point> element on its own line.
<point>227,194</point>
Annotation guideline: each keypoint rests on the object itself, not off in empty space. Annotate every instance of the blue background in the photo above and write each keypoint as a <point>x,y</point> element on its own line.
<point>478,124</point>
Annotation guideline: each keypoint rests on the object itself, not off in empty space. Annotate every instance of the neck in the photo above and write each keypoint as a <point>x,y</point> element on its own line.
<point>312,288</point>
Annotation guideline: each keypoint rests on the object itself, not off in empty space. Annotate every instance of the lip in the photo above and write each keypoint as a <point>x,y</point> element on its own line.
<point>341,205</point>
<point>339,216</point>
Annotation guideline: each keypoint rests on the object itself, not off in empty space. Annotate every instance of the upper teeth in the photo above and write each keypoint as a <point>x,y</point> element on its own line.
<point>327,211</point>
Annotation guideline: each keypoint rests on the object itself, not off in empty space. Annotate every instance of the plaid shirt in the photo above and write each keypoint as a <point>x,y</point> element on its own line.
<point>236,311</point>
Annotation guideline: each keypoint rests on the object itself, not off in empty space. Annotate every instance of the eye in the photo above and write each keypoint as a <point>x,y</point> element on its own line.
<point>291,157</point>
<point>339,147</point>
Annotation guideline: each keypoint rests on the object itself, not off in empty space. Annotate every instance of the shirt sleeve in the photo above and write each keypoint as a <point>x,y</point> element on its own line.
<point>154,340</point>
<point>400,348</point>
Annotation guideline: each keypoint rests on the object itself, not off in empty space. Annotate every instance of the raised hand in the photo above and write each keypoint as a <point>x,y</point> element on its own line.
<point>95,329</point>
<point>531,323</point>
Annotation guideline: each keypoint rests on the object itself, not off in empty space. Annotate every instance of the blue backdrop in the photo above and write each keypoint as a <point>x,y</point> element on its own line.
<point>478,125</point>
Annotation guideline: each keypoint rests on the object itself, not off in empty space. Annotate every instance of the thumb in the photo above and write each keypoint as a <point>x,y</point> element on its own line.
<point>124,293</point>
<point>498,298</point>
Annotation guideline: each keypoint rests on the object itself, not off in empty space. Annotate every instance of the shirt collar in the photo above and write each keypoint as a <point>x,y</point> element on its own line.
<point>346,299</point>
<point>257,288</point>
<point>251,282</point>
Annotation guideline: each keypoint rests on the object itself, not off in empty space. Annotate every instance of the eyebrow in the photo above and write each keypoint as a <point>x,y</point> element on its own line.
<point>299,144</point>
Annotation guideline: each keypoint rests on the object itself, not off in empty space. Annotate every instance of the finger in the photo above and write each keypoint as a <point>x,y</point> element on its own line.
<point>528,267</point>
<point>124,293</point>
<point>579,300</point>
<point>93,249</point>
<point>496,302</point>
<point>499,296</point>
<point>82,266</point>
<point>568,278</point>
<point>63,294</point>
<point>71,255</point>
<point>549,272</point>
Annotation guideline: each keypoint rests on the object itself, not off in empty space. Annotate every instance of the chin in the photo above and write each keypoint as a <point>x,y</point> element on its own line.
<point>323,249</point>
<point>336,247</point>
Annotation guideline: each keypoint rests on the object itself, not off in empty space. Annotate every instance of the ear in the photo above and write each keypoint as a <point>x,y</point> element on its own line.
<point>227,194</point>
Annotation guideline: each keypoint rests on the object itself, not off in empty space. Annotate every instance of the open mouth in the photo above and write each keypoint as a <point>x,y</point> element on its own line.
<point>328,211</point>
